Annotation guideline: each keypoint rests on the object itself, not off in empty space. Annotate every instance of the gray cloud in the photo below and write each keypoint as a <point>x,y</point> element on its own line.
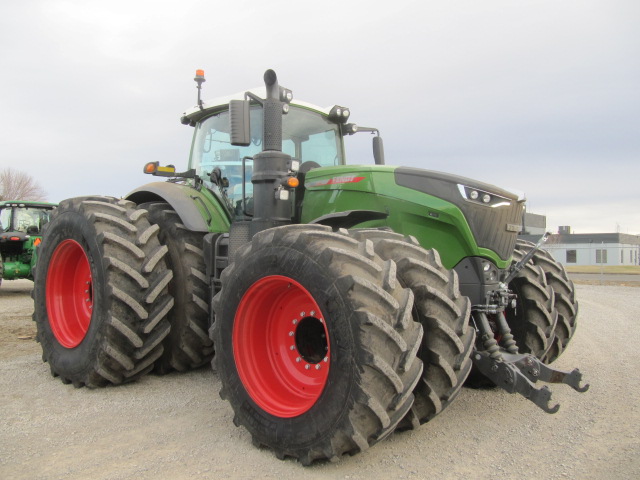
<point>540,96</point>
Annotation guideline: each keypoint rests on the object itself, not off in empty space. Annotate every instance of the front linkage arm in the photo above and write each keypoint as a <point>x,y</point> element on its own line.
<point>518,373</point>
<point>520,265</point>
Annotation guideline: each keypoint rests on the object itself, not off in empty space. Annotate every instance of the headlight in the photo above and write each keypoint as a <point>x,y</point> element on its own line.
<point>481,197</point>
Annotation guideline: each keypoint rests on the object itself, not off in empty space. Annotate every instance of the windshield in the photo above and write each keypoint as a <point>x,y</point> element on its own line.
<point>25,219</point>
<point>306,136</point>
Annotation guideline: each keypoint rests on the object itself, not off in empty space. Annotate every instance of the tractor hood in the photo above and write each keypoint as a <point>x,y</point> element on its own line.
<point>494,215</point>
<point>430,181</point>
<point>424,203</point>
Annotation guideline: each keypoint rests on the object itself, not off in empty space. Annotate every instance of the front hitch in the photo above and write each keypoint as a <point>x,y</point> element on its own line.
<point>518,373</point>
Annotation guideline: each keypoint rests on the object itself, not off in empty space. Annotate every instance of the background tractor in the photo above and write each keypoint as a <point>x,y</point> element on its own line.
<point>342,301</point>
<point>21,225</point>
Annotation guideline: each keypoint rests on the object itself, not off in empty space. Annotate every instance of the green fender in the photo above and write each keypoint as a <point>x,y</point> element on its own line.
<point>199,210</point>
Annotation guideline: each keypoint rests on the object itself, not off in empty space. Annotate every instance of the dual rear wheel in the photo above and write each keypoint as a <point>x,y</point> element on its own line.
<point>100,292</point>
<point>121,290</point>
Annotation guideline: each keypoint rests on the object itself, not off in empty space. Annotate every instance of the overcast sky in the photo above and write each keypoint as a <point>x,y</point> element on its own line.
<point>541,97</point>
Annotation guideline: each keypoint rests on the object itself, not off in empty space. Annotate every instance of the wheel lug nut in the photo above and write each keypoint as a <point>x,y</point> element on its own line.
<point>312,313</point>
<point>325,359</point>
<point>292,347</point>
<point>298,359</point>
<point>294,321</point>
<point>307,366</point>
<point>291,334</point>
<point>317,366</point>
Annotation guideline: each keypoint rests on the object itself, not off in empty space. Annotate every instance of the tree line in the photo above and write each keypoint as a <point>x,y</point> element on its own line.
<point>17,185</point>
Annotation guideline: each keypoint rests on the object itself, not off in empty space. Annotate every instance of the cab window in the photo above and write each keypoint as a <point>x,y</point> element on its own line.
<point>306,136</point>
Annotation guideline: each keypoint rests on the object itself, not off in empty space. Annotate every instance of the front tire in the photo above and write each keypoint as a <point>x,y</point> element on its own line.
<point>444,315</point>
<point>316,347</point>
<point>533,320</point>
<point>100,293</point>
<point>564,294</point>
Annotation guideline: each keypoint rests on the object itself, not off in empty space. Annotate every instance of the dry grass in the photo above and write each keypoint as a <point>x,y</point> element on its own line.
<point>623,269</point>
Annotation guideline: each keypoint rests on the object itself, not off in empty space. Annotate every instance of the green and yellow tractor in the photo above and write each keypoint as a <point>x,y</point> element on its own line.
<point>21,225</point>
<point>338,302</point>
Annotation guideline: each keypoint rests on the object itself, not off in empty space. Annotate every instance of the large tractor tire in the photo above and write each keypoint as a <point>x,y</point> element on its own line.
<point>564,293</point>
<point>533,319</point>
<point>444,315</point>
<point>100,293</point>
<point>316,346</point>
<point>188,344</point>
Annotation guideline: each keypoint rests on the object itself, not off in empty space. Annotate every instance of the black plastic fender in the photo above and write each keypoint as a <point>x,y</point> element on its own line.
<point>186,201</point>
<point>349,218</point>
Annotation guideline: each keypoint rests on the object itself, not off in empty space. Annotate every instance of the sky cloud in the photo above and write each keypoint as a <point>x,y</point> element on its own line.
<point>539,96</point>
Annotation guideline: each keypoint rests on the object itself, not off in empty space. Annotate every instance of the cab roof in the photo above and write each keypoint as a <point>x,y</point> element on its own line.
<point>195,113</point>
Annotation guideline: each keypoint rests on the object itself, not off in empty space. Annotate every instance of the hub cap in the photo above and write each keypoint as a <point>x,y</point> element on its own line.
<point>281,346</point>
<point>69,293</point>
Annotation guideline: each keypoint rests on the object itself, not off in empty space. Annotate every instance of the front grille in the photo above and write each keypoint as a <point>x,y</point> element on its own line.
<point>489,226</point>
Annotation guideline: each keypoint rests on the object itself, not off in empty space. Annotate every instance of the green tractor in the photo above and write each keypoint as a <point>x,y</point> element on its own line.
<point>337,302</point>
<point>21,225</point>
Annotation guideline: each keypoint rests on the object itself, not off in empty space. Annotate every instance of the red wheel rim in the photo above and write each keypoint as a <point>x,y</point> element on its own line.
<point>281,346</point>
<point>69,293</point>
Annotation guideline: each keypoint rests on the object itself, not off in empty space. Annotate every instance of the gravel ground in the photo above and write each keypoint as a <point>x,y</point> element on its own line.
<point>177,426</point>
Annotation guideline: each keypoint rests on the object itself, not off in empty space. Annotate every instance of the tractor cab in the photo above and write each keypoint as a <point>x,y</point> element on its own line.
<point>23,218</point>
<point>311,135</point>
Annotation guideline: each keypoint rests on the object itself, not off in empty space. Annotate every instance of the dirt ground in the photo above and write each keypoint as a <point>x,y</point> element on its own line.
<point>178,427</point>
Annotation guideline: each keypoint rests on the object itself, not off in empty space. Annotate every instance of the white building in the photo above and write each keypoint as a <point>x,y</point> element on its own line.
<point>592,248</point>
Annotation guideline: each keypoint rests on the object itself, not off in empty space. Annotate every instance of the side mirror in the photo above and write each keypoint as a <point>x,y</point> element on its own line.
<point>239,123</point>
<point>378,150</point>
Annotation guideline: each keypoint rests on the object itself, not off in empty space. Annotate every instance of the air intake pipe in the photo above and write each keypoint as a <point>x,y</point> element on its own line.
<point>271,167</point>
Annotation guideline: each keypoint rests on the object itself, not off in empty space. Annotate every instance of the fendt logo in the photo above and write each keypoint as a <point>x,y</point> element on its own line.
<point>335,181</point>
